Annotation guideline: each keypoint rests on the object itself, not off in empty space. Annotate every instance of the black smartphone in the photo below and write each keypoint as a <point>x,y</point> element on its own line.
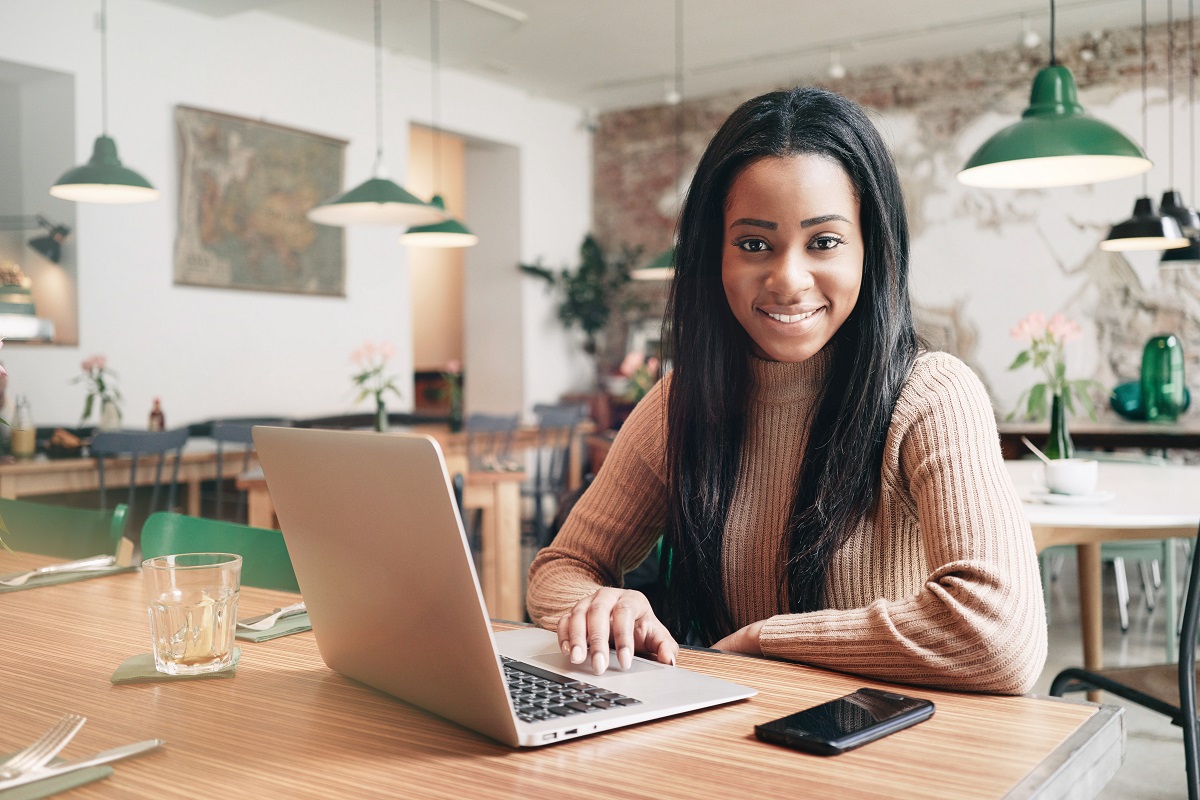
<point>846,723</point>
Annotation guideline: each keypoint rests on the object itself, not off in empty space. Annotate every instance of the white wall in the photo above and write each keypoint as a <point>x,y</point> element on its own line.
<point>211,352</point>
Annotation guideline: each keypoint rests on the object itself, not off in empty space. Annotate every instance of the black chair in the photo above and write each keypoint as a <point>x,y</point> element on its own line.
<point>1169,689</point>
<point>135,445</point>
<point>552,457</point>
<point>238,433</point>
<point>489,440</point>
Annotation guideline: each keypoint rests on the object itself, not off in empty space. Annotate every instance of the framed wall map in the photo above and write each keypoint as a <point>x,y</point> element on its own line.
<point>244,188</point>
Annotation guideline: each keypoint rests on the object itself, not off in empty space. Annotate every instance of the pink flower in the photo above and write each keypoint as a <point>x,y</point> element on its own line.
<point>386,350</point>
<point>1062,329</point>
<point>454,367</point>
<point>652,365</point>
<point>633,360</point>
<point>1030,327</point>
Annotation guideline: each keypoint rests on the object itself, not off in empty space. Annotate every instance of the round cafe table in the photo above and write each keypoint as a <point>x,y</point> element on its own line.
<point>1149,501</point>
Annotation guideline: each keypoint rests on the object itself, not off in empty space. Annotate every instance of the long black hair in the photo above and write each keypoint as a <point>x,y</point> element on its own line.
<point>873,352</point>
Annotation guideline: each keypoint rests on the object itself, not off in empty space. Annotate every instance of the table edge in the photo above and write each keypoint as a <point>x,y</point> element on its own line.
<point>1069,772</point>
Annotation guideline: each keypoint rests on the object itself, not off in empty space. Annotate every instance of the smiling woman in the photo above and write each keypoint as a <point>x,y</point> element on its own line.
<point>825,491</point>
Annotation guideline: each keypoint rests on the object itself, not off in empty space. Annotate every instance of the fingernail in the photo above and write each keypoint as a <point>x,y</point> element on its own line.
<point>566,648</point>
<point>671,660</point>
<point>625,658</point>
<point>576,655</point>
<point>599,663</point>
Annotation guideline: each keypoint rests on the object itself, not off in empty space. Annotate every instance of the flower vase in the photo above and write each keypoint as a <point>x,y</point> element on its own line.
<point>456,412</point>
<point>381,416</point>
<point>110,416</point>
<point>1162,379</point>
<point>1059,444</point>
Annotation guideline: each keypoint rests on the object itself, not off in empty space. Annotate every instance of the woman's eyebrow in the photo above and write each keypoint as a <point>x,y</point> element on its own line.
<point>757,223</point>
<point>808,223</point>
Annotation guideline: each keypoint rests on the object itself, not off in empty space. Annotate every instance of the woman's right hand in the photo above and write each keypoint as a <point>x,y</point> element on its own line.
<point>620,616</point>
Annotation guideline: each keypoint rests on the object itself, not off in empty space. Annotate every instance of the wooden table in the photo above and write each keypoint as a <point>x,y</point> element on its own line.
<point>496,495</point>
<point>287,726</point>
<point>64,475</point>
<point>1106,432</point>
<point>1151,502</point>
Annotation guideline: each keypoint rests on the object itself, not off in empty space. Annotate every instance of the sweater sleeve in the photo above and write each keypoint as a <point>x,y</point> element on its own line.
<point>616,522</point>
<point>978,622</point>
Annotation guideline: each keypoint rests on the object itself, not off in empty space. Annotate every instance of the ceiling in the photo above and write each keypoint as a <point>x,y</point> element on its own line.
<point>610,54</point>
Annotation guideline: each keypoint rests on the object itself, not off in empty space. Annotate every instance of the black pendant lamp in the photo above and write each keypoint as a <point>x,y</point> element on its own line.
<point>377,200</point>
<point>449,232</point>
<point>1147,229</point>
<point>103,179</point>
<point>1189,220</point>
<point>662,266</point>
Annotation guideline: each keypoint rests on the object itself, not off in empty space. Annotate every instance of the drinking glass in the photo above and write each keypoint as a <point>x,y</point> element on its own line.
<point>192,601</point>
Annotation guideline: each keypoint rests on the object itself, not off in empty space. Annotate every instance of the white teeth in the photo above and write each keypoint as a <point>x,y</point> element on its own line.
<point>793,317</point>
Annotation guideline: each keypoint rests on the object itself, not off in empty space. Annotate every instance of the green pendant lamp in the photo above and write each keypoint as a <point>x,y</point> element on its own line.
<point>104,179</point>
<point>662,266</point>
<point>1189,220</point>
<point>378,200</point>
<point>1055,143</point>
<point>449,232</point>
<point>1147,229</point>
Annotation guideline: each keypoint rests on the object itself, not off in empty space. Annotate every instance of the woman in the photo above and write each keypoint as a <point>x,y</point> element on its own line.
<point>826,492</point>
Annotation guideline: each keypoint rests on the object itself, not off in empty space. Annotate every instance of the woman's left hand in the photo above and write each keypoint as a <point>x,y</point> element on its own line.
<point>744,640</point>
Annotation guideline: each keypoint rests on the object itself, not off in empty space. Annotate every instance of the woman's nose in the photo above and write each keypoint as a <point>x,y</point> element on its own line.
<point>790,275</point>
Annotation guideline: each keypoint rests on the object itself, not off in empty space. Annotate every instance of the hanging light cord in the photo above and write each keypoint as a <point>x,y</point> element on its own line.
<point>378,87</point>
<point>1170,92</point>
<point>435,57</point>
<point>1052,60</point>
<point>1145,127</point>
<point>1191,106</point>
<point>104,66</point>
<point>678,90</point>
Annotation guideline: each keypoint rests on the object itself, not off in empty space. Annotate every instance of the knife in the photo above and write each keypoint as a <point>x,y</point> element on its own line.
<point>53,771</point>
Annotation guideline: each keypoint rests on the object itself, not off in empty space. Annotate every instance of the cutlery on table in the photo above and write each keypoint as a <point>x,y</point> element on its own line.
<point>45,748</point>
<point>105,757</point>
<point>266,621</point>
<point>84,565</point>
<point>1034,449</point>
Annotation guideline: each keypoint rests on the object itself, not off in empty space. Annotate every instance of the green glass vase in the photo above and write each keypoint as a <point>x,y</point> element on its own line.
<point>1059,444</point>
<point>381,415</point>
<point>1162,379</point>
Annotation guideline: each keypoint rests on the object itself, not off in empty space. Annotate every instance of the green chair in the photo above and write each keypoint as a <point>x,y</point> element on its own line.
<point>265,559</point>
<point>62,531</point>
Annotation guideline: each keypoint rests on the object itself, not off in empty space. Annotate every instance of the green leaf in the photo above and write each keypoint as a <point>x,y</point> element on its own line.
<point>87,407</point>
<point>1021,360</point>
<point>1037,401</point>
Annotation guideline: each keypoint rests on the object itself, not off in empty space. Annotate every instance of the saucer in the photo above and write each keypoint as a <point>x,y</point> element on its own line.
<point>1055,499</point>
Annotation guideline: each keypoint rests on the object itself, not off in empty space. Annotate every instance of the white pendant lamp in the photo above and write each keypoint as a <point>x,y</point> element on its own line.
<point>378,200</point>
<point>1147,229</point>
<point>1054,143</point>
<point>104,179</point>
<point>449,232</point>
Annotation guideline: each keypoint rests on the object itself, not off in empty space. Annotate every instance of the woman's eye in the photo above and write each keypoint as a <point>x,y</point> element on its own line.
<point>753,245</point>
<point>827,242</point>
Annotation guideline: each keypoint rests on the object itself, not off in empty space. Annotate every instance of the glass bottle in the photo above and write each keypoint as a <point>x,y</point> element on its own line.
<point>1059,444</point>
<point>1162,379</point>
<point>158,422</point>
<point>24,434</point>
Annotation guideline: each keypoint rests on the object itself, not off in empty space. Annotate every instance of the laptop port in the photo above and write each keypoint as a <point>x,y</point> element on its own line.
<point>546,737</point>
<point>571,732</point>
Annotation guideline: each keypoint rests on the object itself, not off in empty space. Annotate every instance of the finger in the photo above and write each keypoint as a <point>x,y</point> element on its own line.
<point>599,616</point>
<point>624,617</point>
<point>659,641</point>
<point>577,630</point>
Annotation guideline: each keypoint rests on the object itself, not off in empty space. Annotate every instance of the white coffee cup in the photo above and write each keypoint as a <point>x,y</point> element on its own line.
<point>1072,475</point>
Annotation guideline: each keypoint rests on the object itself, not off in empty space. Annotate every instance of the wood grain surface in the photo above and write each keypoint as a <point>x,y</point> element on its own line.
<point>288,727</point>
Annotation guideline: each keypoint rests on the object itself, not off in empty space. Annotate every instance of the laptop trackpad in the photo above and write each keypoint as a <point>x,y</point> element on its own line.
<point>559,663</point>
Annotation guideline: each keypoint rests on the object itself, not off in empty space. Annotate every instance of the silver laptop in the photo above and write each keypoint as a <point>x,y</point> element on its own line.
<point>375,537</point>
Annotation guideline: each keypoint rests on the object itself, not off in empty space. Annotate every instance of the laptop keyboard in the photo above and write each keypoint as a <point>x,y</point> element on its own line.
<point>539,694</point>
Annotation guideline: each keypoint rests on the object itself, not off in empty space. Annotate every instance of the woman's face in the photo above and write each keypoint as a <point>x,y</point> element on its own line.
<point>792,258</point>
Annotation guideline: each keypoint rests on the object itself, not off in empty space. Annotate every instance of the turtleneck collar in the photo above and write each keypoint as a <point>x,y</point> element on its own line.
<point>787,383</point>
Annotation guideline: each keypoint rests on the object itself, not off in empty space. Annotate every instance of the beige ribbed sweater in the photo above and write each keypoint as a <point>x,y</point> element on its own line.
<point>938,587</point>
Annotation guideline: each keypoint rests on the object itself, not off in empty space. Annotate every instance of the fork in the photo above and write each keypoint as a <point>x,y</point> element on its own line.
<point>86,565</point>
<point>265,623</point>
<point>44,749</point>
